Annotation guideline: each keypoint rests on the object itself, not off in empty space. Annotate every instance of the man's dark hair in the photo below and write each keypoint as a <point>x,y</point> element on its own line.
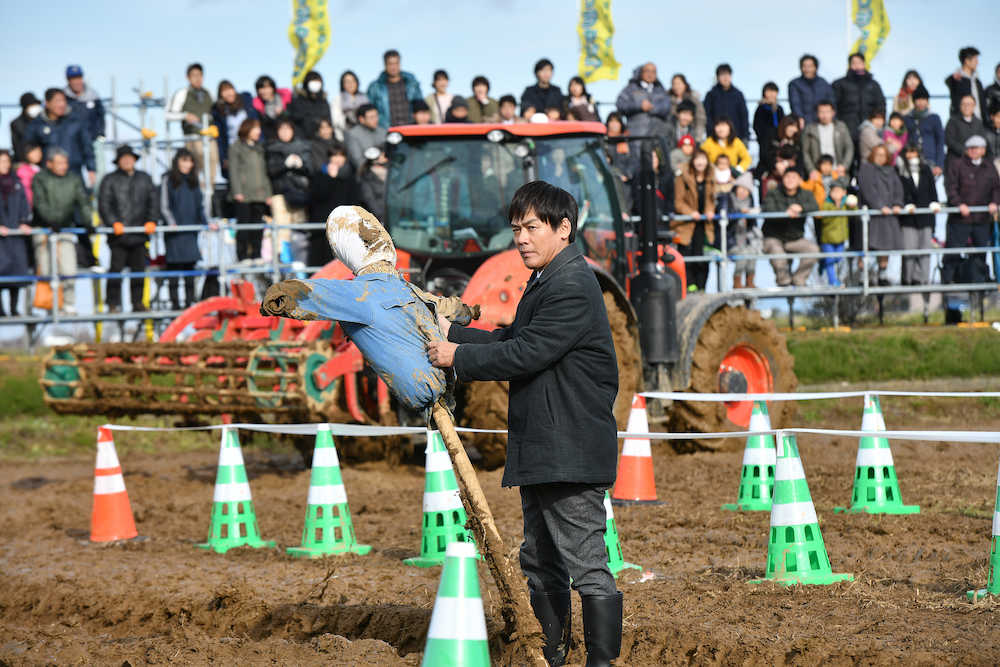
<point>770,85</point>
<point>724,68</point>
<point>335,150</point>
<point>877,112</point>
<point>507,99</point>
<point>440,74</point>
<point>966,53</point>
<point>825,157</point>
<point>825,103</point>
<point>364,109</point>
<point>194,66</point>
<point>481,80</point>
<point>391,53</point>
<point>52,92</point>
<point>686,105</point>
<point>857,54</point>
<point>920,93</point>
<point>788,152</point>
<point>808,56</point>
<point>543,63</point>
<point>263,81</point>
<point>550,204</point>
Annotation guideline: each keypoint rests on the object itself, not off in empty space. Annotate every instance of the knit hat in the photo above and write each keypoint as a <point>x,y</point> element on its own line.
<point>920,93</point>
<point>686,140</point>
<point>358,239</point>
<point>745,180</point>
<point>975,141</point>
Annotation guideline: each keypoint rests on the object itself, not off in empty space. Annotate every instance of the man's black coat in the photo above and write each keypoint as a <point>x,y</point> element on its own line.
<point>560,359</point>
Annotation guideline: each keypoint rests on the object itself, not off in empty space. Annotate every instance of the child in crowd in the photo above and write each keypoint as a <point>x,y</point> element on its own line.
<point>26,170</point>
<point>820,179</point>
<point>743,234</point>
<point>895,136</point>
<point>684,123</point>
<point>833,229</point>
<point>681,155</point>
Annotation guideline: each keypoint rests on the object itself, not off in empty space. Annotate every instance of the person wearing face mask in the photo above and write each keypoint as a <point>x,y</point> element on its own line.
<point>309,105</point>
<point>919,191</point>
<point>31,108</point>
<point>857,94</point>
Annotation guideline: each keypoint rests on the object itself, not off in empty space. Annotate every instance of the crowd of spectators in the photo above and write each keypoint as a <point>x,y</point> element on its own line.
<point>293,155</point>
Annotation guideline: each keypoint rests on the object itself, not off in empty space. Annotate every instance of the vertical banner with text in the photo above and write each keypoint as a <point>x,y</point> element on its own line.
<point>873,22</point>
<point>597,55</point>
<point>309,33</point>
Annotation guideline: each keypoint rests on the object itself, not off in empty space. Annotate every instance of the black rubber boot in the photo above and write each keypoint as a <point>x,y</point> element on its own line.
<point>554,613</point>
<point>602,628</point>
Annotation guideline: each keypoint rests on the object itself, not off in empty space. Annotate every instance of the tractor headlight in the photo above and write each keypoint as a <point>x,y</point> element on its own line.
<point>394,138</point>
<point>496,136</point>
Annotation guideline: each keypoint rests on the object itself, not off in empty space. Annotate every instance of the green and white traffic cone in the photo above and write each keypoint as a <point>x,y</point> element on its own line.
<point>795,550</point>
<point>234,521</point>
<point>993,574</point>
<point>457,634</point>
<point>757,476</point>
<point>328,528</point>
<point>616,562</point>
<point>444,515</point>
<point>876,487</point>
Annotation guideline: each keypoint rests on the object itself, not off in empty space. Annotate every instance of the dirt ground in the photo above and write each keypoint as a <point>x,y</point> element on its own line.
<point>160,600</point>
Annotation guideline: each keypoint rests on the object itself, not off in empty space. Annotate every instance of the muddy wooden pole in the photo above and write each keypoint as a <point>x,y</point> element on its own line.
<point>521,626</point>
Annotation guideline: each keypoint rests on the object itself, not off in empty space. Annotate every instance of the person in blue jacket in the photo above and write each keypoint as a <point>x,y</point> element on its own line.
<point>808,90</point>
<point>726,101</point>
<point>58,126</point>
<point>393,92</point>
<point>85,101</point>
<point>926,130</point>
<point>181,204</point>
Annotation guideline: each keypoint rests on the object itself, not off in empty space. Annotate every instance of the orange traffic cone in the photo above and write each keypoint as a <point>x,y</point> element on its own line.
<point>112,516</point>
<point>635,483</point>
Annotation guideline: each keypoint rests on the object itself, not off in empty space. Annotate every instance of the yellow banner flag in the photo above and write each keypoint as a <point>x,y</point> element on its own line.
<point>597,56</point>
<point>872,20</point>
<point>309,33</point>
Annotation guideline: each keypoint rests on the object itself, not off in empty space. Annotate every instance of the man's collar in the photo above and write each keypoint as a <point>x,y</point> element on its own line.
<point>570,252</point>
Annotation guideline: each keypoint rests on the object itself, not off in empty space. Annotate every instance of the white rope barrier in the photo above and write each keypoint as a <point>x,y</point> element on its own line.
<point>809,396</point>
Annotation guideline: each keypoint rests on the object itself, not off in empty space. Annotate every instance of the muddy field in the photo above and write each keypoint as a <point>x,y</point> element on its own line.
<point>160,600</point>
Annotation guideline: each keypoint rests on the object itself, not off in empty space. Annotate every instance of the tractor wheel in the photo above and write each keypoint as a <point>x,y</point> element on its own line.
<point>485,403</point>
<point>737,351</point>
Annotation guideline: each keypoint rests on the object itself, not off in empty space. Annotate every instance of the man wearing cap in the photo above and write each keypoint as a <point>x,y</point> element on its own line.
<point>127,198</point>
<point>31,108</point>
<point>85,101</point>
<point>971,181</point>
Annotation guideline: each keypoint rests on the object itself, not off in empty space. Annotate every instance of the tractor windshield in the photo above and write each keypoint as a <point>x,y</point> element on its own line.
<point>448,197</point>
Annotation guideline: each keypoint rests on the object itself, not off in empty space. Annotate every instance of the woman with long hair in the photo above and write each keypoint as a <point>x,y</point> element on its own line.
<point>344,107</point>
<point>181,204</point>
<point>903,103</point>
<point>249,188</point>
<point>579,103</point>
<point>231,108</point>
<point>271,104</point>
<point>694,195</point>
<point>724,140</point>
<point>680,90</point>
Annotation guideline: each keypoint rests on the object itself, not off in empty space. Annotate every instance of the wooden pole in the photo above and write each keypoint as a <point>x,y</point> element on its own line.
<point>521,628</point>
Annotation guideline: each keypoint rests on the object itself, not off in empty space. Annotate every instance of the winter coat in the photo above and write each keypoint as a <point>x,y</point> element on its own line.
<point>60,201</point>
<point>787,229</point>
<point>958,130</point>
<point>269,124</point>
<point>730,103</point>
<point>804,94</point>
<point>686,203</point>
<point>26,174</point>
<point>344,108</point>
<point>992,94</point>
<point>248,172</point>
<point>765,129</point>
<point>89,106</point>
<point>378,94</point>
<point>69,133</point>
<point>654,122</point>
<point>856,96</point>
<point>843,146</point>
<point>371,190</point>
<point>560,359</point>
<point>291,182</point>
<point>541,99</point>
<point>307,110</point>
<point>14,211</point>
<point>833,228</point>
<point>959,86</point>
<point>359,139</point>
<point>131,199</point>
<point>181,205</point>
<point>993,142</point>
<point>585,111</point>
<point>972,185</point>
<point>18,136</point>
<point>694,98</point>
<point>921,195</point>
<point>739,156</point>
<point>927,132</point>
<point>483,113</point>
<point>224,118</point>
<point>326,194</point>
<point>319,151</point>
<point>869,137</point>
<point>879,187</point>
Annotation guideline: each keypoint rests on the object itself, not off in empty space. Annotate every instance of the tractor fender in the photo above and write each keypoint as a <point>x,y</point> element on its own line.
<point>692,313</point>
<point>609,284</point>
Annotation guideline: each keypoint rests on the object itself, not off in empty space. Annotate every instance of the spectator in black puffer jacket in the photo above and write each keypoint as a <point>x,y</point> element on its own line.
<point>289,164</point>
<point>857,94</point>
<point>309,105</point>
<point>726,101</point>
<point>127,198</point>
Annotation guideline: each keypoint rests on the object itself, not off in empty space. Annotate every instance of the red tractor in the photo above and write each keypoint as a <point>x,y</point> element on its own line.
<point>447,189</point>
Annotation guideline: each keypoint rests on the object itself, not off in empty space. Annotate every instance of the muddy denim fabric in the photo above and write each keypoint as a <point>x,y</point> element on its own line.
<point>564,538</point>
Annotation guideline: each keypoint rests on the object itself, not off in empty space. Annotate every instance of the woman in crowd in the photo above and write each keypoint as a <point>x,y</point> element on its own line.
<point>15,214</point>
<point>331,185</point>
<point>249,187</point>
<point>482,107</point>
<point>881,190</point>
<point>790,134</point>
<point>440,100</point>
<point>289,164</point>
<point>345,106</point>
<point>270,104</point>
<point>309,105</point>
<point>181,204</point>
<point>694,195</point>
<point>895,136</point>
<point>579,103</point>
<point>722,140</point>
<point>321,145</point>
<point>916,231</point>
<point>903,103</point>
<point>228,113</point>
<point>680,90</point>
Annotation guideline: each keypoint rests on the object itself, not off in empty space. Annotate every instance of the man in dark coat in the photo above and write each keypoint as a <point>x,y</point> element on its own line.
<point>127,198</point>
<point>561,447</point>
<point>808,90</point>
<point>726,100</point>
<point>971,181</point>
<point>959,129</point>
<point>31,108</point>
<point>85,101</point>
<point>788,235</point>
<point>543,95</point>
<point>965,82</point>
<point>59,126</point>
<point>857,94</point>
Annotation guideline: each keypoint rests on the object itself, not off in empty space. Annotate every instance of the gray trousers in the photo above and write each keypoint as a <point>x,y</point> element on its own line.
<point>773,246</point>
<point>564,538</point>
<point>916,268</point>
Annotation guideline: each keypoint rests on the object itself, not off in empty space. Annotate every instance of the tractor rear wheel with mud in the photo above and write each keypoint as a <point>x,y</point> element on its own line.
<point>485,404</point>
